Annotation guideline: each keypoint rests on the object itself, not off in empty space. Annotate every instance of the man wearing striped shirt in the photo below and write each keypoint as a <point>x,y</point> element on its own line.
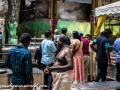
<point>19,60</point>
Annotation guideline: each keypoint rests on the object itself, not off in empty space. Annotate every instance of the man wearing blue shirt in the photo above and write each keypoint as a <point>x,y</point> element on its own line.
<point>19,60</point>
<point>117,49</point>
<point>48,56</point>
<point>102,54</point>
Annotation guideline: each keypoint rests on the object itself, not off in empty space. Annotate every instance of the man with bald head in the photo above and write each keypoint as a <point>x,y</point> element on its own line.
<point>56,35</point>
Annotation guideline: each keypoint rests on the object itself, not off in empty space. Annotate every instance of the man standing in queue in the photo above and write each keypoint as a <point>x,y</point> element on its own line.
<point>102,54</point>
<point>62,79</point>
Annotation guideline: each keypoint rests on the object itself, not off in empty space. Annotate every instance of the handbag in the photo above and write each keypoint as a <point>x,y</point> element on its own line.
<point>38,55</point>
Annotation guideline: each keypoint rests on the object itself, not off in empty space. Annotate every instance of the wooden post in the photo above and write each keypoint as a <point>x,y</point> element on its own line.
<point>53,13</point>
<point>92,24</point>
<point>95,4</point>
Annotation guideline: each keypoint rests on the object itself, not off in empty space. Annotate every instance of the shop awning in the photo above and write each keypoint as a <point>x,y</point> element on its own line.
<point>110,9</point>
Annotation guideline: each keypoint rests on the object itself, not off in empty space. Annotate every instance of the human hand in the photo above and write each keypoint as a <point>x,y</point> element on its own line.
<point>31,82</point>
<point>31,85</point>
<point>46,70</point>
<point>37,62</point>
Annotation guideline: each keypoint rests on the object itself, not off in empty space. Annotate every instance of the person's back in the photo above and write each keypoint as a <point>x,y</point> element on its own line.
<point>102,43</point>
<point>85,47</point>
<point>19,60</point>
<point>117,49</point>
<point>48,51</point>
<point>48,57</point>
<point>103,54</point>
<point>18,55</point>
<point>64,32</point>
<point>85,50</point>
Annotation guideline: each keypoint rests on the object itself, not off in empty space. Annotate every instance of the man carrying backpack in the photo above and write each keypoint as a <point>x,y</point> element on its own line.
<point>48,56</point>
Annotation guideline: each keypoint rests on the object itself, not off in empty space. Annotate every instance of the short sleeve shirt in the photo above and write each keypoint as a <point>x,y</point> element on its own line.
<point>102,43</point>
<point>48,51</point>
<point>117,49</point>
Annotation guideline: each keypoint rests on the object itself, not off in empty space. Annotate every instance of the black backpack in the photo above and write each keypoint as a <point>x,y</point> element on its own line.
<point>38,55</point>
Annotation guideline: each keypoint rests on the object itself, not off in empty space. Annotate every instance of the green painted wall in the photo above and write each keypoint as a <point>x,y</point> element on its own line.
<point>36,28</point>
<point>75,26</point>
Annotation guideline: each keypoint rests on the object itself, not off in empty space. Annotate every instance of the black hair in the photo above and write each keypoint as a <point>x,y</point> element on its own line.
<point>47,33</point>
<point>107,31</point>
<point>63,39</point>
<point>25,37</point>
<point>64,30</point>
<point>87,35</point>
<point>76,35</point>
<point>102,33</point>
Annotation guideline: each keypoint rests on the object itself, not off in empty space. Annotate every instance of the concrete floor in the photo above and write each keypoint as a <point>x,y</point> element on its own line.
<point>72,88</point>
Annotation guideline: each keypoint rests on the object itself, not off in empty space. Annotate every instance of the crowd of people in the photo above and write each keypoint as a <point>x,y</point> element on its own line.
<point>64,61</point>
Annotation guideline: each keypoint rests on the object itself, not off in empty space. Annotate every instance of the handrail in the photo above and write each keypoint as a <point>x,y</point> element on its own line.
<point>7,53</point>
<point>17,44</point>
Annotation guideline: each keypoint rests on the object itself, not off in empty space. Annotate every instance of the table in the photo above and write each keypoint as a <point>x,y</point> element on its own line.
<point>98,85</point>
<point>5,78</point>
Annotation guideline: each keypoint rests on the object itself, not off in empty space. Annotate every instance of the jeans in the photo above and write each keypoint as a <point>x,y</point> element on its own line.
<point>118,73</point>
<point>102,73</point>
<point>47,77</point>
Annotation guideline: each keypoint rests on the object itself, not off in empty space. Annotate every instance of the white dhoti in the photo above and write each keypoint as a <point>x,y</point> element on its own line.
<point>62,81</point>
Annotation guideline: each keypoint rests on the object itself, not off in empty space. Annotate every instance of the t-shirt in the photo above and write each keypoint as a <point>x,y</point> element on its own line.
<point>103,43</point>
<point>85,47</point>
<point>117,49</point>
<point>48,51</point>
<point>56,37</point>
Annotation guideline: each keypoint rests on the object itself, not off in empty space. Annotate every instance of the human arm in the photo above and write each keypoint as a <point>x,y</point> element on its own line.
<point>107,51</point>
<point>7,61</point>
<point>73,46</point>
<point>53,47</point>
<point>28,68</point>
<point>92,45</point>
<point>69,60</point>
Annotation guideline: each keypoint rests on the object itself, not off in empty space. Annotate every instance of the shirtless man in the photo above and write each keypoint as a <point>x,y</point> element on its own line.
<point>62,79</point>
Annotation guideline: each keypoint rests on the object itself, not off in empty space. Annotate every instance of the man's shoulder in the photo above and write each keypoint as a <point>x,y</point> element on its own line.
<point>84,39</point>
<point>19,49</point>
<point>103,39</point>
<point>13,49</point>
<point>67,50</point>
<point>117,40</point>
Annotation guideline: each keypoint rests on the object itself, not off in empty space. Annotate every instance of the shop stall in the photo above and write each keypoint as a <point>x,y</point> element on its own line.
<point>110,11</point>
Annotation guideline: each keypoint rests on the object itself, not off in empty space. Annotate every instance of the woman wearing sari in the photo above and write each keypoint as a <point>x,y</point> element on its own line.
<point>78,70</point>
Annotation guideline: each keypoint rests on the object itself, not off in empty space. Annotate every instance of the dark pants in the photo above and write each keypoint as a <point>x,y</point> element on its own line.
<point>47,77</point>
<point>118,73</point>
<point>102,73</point>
